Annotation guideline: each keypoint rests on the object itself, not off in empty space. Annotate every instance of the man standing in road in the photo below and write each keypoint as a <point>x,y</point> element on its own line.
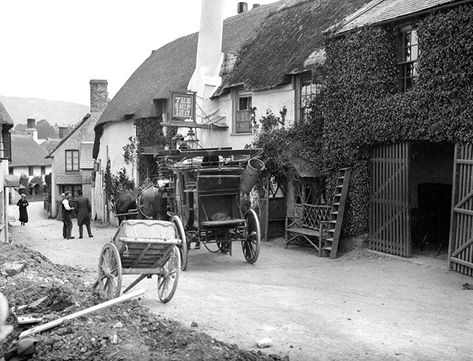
<point>66,216</point>
<point>83,214</point>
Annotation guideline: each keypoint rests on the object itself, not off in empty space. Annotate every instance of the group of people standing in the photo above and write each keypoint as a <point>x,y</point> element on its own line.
<point>82,205</point>
<point>83,208</point>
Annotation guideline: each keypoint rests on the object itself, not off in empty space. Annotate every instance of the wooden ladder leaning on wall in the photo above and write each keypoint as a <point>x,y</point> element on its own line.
<point>330,246</point>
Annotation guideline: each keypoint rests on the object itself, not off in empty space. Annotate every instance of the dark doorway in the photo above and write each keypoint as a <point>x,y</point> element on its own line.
<point>430,184</point>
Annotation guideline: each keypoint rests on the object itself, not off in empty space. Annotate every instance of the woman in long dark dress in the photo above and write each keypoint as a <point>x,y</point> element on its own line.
<point>22,204</point>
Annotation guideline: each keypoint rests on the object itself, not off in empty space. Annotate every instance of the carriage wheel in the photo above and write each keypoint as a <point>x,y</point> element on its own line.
<point>223,247</point>
<point>167,280</point>
<point>183,247</point>
<point>109,282</point>
<point>251,246</point>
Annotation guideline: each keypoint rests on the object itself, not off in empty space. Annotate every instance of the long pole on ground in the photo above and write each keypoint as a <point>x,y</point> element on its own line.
<point>100,306</point>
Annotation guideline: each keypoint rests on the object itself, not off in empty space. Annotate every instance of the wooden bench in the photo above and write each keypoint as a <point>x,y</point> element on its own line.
<point>308,222</point>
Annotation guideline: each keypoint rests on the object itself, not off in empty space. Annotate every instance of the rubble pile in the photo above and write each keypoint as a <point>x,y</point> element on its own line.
<point>45,291</point>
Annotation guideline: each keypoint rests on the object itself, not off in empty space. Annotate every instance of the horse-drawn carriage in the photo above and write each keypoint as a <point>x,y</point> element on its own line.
<point>205,192</point>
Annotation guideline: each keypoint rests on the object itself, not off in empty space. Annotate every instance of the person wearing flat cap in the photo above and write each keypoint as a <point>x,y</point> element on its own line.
<point>180,144</point>
<point>66,216</point>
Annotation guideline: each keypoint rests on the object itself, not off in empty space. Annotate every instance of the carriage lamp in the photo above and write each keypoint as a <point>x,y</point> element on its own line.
<point>191,139</point>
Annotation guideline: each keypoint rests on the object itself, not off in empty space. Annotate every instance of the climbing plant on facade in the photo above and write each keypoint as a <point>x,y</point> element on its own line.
<point>363,108</point>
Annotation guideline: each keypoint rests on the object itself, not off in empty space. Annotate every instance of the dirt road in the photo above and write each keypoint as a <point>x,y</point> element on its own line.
<point>363,306</point>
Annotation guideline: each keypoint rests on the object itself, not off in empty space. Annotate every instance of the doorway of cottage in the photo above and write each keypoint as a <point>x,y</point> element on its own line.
<point>410,198</point>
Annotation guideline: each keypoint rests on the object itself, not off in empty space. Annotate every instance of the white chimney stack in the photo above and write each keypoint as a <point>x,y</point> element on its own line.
<point>209,48</point>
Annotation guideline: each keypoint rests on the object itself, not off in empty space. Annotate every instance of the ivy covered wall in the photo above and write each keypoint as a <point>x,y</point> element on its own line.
<point>149,132</point>
<point>362,106</point>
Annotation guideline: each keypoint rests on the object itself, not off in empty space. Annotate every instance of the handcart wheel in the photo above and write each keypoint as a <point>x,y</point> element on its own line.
<point>183,247</point>
<point>167,280</point>
<point>251,246</point>
<point>109,282</point>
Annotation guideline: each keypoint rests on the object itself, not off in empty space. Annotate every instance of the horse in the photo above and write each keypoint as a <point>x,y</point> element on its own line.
<point>126,203</point>
<point>149,203</point>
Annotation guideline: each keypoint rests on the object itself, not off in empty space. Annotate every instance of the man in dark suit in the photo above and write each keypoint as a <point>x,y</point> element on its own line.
<point>83,213</point>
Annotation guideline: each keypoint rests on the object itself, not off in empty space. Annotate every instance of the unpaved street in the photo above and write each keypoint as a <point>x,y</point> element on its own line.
<point>362,306</point>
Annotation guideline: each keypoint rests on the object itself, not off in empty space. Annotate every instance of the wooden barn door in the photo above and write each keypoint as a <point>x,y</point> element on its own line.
<point>389,223</point>
<point>460,248</point>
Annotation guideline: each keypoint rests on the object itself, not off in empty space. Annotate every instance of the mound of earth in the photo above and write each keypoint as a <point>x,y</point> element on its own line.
<point>126,331</point>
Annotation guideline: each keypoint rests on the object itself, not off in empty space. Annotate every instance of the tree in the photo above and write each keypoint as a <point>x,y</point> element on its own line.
<point>45,130</point>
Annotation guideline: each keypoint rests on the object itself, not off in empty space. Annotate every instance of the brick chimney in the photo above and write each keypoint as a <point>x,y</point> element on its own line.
<point>31,129</point>
<point>98,95</point>
<point>31,123</point>
<point>242,7</point>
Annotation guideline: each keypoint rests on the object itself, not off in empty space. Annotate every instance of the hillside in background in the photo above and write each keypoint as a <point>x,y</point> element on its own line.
<point>54,111</point>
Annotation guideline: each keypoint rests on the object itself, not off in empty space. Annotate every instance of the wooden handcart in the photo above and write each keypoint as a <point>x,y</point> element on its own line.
<point>144,248</point>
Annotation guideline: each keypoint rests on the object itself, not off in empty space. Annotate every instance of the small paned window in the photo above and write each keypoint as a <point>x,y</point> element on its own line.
<point>72,160</point>
<point>71,188</point>
<point>30,171</point>
<point>309,91</point>
<point>43,170</point>
<point>243,115</point>
<point>407,58</point>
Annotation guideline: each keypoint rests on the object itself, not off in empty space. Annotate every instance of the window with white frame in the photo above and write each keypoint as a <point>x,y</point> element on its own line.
<point>243,114</point>
<point>407,58</point>
<point>308,92</point>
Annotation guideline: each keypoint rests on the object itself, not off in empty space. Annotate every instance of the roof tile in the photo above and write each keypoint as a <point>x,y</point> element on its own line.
<point>378,11</point>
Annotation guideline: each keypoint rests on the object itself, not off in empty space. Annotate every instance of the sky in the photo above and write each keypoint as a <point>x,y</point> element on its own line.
<point>50,49</point>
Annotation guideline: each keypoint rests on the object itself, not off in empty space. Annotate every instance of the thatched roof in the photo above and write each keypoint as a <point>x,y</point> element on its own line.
<point>287,39</point>
<point>171,68</point>
<point>5,118</point>
<point>26,152</point>
<point>378,11</point>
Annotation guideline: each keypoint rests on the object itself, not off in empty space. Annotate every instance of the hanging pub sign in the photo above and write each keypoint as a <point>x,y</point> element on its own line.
<point>183,106</point>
